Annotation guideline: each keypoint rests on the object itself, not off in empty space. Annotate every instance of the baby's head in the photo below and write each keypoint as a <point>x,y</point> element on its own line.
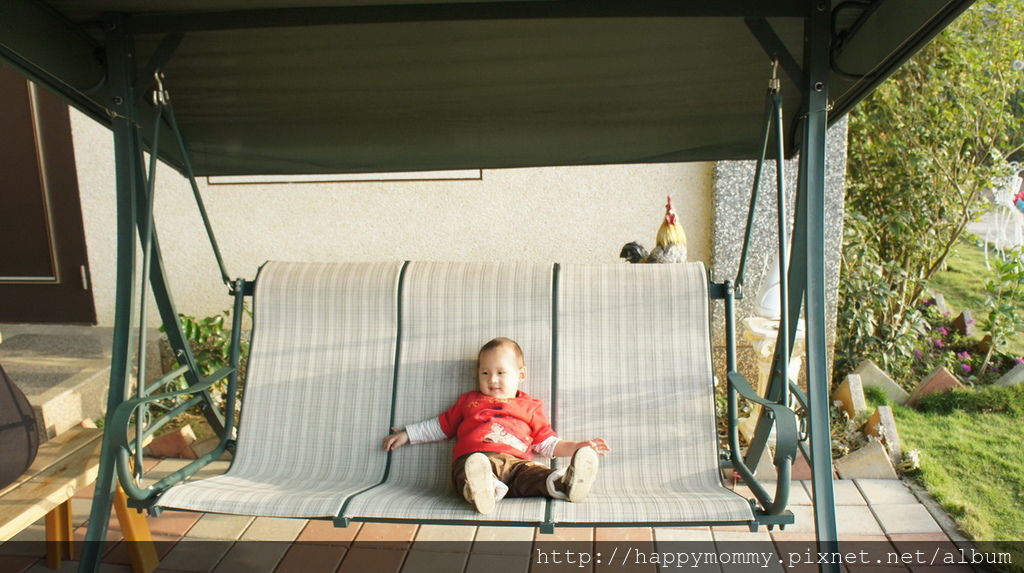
<point>500,368</point>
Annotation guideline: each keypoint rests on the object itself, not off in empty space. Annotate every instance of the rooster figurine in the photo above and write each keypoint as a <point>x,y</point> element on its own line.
<point>670,244</point>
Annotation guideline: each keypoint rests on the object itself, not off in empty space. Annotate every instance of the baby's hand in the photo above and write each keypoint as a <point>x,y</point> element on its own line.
<point>599,445</point>
<point>397,439</point>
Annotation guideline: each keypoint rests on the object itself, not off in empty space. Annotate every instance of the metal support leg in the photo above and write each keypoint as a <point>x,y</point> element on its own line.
<point>119,71</point>
<point>812,182</point>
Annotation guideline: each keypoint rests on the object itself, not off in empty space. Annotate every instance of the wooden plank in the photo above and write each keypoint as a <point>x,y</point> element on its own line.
<point>55,450</point>
<point>75,465</point>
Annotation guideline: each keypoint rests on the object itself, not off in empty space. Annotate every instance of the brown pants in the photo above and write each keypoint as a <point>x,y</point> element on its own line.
<point>523,478</point>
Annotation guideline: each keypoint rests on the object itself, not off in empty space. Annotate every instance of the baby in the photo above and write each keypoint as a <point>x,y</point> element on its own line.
<point>497,430</point>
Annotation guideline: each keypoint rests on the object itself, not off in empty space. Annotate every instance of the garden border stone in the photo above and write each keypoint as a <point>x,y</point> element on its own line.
<point>873,376</point>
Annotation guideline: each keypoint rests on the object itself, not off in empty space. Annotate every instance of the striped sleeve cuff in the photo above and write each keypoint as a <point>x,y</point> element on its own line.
<point>425,431</point>
<point>547,447</point>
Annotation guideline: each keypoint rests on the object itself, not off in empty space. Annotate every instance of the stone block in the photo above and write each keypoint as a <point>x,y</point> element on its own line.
<point>765,469</point>
<point>873,376</point>
<point>1013,377</point>
<point>940,380</point>
<point>964,323</point>
<point>200,449</point>
<point>851,394</point>
<point>882,425</point>
<point>176,444</point>
<point>869,462</point>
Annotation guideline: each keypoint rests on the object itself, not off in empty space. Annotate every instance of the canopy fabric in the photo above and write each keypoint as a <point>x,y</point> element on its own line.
<point>318,86</point>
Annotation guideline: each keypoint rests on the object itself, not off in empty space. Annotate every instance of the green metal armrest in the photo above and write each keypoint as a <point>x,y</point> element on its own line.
<point>786,427</point>
<point>785,451</point>
<point>118,428</point>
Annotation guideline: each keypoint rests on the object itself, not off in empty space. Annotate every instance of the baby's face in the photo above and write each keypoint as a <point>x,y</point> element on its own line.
<point>499,373</point>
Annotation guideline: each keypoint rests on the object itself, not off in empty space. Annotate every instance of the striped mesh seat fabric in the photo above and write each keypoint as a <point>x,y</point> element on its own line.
<point>318,393</point>
<point>448,311</point>
<point>634,367</point>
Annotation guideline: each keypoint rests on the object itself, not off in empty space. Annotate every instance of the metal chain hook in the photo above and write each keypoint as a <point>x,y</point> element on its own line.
<point>160,95</point>
<point>775,84</point>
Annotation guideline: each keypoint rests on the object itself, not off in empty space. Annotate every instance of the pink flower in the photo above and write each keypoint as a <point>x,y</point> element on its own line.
<point>938,343</point>
<point>966,368</point>
<point>1018,360</point>
<point>964,355</point>
<point>918,354</point>
<point>943,331</point>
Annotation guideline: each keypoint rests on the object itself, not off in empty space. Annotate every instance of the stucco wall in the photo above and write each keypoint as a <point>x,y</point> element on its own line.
<point>563,214</point>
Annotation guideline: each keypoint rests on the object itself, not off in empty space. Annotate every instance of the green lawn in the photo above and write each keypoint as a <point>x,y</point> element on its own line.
<point>971,463</point>
<point>963,285</point>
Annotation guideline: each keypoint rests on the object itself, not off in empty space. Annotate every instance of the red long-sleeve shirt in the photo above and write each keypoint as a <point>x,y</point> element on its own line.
<point>504,425</point>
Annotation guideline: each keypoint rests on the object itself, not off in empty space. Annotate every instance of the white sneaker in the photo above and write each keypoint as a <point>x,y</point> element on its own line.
<point>580,475</point>
<point>479,488</point>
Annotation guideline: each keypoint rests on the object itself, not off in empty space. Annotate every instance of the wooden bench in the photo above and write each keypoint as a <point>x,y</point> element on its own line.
<point>64,465</point>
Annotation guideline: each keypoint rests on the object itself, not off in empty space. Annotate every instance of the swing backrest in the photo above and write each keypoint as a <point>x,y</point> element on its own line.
<point>323,347</point>
<point>634,367</point>
<point>448,310</point>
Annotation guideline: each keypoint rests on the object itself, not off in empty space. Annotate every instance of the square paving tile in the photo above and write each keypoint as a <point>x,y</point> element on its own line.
<point>433,561</point>
<point>845,491</point>
<point>253,557</point>
<point>850,520</point>
<point>489,563</point>
<point>323,531</point>
<point>688,534</point>
<point>198,556</point>
<point>274,529</point>
<point>219,526</point>
<point>797,494</point>
<point>885,491</point>
<point>496,540</point>
<point>857,520</point>
<point>624,534</point>
<point>386,535</point>
<point>164,468</point>
<point>307,557</point>
<point>905,518</point>
<point>444,538</point>
<point>367,559</point>
<point>72,567</point>
<point>16,563</point>
<point>561,534</point>
<point>173,523</point>
<point>122,552</point>
<point>760,535</point>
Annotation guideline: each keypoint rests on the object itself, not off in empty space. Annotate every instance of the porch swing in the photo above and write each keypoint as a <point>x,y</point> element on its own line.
<point>345,349</point>
<point>342,351</point>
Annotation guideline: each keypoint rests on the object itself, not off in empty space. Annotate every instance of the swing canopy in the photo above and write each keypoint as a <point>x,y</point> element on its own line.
<point>345,86</point>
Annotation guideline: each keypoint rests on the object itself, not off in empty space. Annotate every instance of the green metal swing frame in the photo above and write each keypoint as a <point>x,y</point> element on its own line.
<point>803,281</point>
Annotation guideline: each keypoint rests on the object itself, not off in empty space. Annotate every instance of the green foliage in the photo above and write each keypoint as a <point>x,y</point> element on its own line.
<point>875,397</point>
<point>1002,316</point>
<point>210,339</point>
<point>923,148</point>
<point>962,282</point>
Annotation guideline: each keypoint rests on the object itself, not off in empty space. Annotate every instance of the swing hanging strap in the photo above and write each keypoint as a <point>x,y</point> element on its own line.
<point>172,122</point>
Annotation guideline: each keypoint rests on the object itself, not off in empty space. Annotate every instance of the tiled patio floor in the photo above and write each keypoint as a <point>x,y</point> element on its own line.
<point>868,510</point>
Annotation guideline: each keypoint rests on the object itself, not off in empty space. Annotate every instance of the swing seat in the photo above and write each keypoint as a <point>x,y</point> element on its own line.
<point>343,351</point>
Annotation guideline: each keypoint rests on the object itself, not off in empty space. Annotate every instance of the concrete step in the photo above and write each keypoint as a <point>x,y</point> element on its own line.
<point>63,370</point>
